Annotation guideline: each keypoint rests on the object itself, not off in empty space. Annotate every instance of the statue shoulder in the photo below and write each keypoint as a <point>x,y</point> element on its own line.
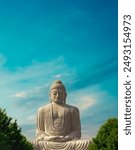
<point>43,108</point>
<point>73,108</point>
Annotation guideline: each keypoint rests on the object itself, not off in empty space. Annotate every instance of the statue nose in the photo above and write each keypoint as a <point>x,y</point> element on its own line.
<point>57,95</point>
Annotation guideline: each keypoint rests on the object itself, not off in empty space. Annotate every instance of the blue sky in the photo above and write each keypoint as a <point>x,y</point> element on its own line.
<point>45,40</point>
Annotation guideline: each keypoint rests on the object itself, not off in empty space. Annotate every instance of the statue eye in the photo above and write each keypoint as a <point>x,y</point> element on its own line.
<point>62,93</point>
<point>54,93</point>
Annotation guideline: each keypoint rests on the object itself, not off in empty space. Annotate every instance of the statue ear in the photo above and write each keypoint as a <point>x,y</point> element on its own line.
<point>65,98</point>
<point>65,95</point>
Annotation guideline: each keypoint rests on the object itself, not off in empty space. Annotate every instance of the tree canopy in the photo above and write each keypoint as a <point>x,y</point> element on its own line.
<point>10,134</point>
<point>107,136</point>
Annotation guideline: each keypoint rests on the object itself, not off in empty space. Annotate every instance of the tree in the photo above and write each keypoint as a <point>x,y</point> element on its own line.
<point>107,137</point>
<point>10,134</point>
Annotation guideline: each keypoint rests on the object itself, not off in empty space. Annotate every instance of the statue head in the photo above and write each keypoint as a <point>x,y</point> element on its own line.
<point>58,92</point>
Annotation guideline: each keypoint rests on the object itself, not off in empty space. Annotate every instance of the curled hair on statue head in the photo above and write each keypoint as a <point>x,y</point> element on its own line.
<point>58,84</point>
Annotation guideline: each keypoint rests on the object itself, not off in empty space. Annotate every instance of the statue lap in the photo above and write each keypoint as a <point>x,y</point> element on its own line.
<point>69,145</point>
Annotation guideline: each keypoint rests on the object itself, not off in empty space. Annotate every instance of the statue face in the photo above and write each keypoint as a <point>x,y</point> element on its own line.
<point>58,95</point>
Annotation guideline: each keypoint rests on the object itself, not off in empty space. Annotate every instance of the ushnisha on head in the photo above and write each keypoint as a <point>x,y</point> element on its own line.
<point>58,92</point>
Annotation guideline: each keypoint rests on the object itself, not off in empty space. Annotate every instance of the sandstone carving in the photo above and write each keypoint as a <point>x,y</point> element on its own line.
<point>58,124</point>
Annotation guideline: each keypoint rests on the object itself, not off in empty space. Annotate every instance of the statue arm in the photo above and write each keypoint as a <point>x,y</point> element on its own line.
<point>76,125</point>
<point>40,133</point>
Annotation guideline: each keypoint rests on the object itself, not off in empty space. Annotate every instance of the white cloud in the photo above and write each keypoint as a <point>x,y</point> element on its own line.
<point>19,95</point>
<point>83,98</point>
<point>58,75</point>
<point>31,92</point>
<point>86,102</point>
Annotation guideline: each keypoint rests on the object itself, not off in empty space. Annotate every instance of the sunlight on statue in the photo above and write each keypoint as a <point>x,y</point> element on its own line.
<point>58,124</point>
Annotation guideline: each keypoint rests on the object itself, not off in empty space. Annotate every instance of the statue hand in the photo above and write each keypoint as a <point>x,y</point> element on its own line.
<point>51,138</point>
<point>59,138</point>
<point>72,136</point>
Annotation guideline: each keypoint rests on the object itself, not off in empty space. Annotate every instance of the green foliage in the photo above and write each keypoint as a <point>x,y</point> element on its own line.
<point>10,134</point>
<point>107,137</point>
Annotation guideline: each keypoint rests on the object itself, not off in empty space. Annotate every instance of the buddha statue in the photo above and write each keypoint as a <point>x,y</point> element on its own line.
<point>58,124</point>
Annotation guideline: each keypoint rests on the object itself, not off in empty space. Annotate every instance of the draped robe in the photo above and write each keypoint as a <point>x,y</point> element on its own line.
<point>51,124</point>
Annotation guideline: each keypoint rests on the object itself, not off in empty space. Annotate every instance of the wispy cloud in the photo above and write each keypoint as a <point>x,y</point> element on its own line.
<point>86,102</point>
<point>26,89</point>
<point>35,92</point>
<point>19,95</point>
<point>58,75</point>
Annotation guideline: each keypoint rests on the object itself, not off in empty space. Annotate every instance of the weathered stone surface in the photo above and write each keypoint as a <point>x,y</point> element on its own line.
<point>58,124</point>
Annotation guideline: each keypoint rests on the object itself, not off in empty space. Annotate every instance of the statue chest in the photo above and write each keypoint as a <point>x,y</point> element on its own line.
<point>58,121</point>
<point>58,113</point>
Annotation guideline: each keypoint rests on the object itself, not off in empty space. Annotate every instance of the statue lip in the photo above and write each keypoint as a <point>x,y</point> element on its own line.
<point>57,102</point>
